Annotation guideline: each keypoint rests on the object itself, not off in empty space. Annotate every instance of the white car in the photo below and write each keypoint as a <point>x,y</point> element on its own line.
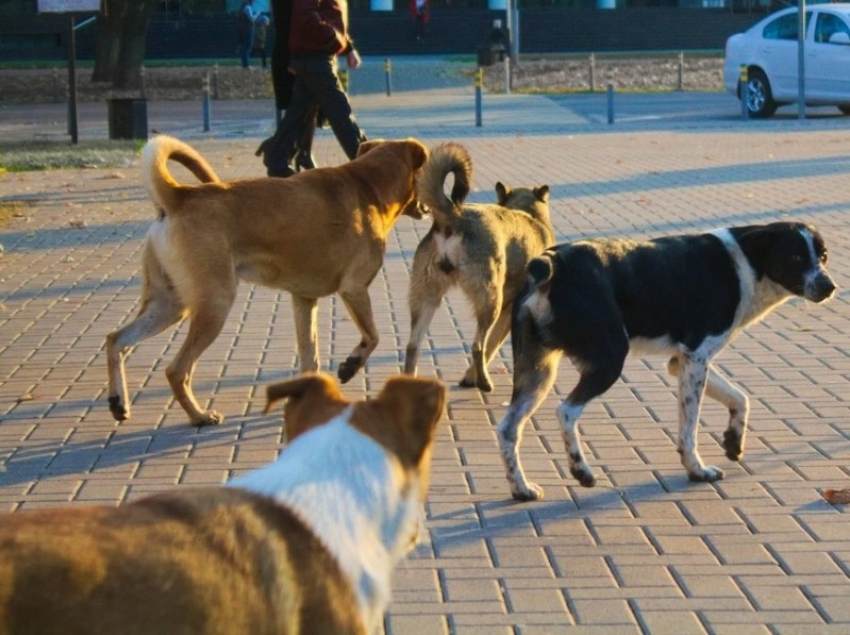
<point>769,51</point>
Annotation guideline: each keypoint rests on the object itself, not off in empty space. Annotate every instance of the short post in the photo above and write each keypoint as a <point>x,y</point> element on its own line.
<point>610,103</point>
<point>592,69</point>
<point>744,90</point>
<point>507,63</point>
<point>207,102</point>
<point>388,67</point>
<point>680,80</point>
<point>479,82</point>
<point>215,82</point>
<point>344,79</point>
<point>142,81</point>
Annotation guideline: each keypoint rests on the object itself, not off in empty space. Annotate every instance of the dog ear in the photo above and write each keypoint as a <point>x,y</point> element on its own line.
<point>365,146</point>
<point>403,417</point>
<point>502,192</point>
<point>418,152</point>
<point>312,400</point>
<point>542,193</point>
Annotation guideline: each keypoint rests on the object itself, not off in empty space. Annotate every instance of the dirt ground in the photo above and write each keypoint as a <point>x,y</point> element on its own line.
<point>573,73</point>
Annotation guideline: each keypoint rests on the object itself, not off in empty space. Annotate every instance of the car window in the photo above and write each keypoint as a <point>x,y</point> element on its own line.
<point>827,25</point>
<point>784,27</point>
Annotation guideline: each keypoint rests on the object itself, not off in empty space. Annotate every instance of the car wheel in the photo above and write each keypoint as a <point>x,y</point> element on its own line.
<point>845,109</point>
<point>759,98</point>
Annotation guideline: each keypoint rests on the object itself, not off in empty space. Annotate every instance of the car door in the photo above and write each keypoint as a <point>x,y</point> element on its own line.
<point>828,58</point>
<point>780,54</point>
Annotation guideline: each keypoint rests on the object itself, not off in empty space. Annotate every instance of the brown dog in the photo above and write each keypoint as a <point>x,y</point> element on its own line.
<point>273,552</point>
<point>321,232</point>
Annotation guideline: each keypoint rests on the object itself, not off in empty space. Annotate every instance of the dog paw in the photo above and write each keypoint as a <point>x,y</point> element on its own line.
<point>732,444</point>
<point>530,492</point>
<point>585,478</point>
<point>708,474</point>
<point>484,385</point>
<point>466,383</point>
<point>348,369</point>
<point>209,418</point>
<point>119,412</point>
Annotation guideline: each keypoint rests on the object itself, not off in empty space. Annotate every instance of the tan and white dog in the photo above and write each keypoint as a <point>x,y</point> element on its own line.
<point>306,544</point>
<point>320,232</point>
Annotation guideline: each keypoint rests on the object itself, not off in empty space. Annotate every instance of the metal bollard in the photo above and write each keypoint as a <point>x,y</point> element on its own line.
<point>215,82</point>
<point>388,67</point>
<point>592,72</point>
<point>207,102</point>
<point>479,82</point>
<point>744,90</point>
<point>610,103</point>
<point>680,80</point>
<point>344,80</point>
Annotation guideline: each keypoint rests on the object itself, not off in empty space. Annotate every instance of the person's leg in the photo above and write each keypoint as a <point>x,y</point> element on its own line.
<point>246,48</point>
<point>321,79</point>
<point>304,158</point>
<point>279,149</point>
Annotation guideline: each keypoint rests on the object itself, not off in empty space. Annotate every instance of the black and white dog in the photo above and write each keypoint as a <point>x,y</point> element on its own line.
<point>684,296</point>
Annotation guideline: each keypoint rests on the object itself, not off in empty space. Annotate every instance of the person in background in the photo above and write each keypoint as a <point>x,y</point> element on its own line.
<point>246,20</point>
<point>283,80</point>
<point>421,11</point>
<point>318,34</point>
<point>258,44</point>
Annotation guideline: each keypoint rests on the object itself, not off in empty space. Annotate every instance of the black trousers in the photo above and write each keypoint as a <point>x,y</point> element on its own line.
<point>316,85</point>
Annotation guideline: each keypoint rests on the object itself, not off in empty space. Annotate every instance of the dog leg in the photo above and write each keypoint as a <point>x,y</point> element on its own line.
<point>598,377</point>
<point>360,308</point>
<point>693,375</point>
<point>205,325</point>
<point>487,299</point>
<point>721,390</point>
<point>160,308</point>
<point>427,288</point>
<point>304,311</point>
<point>533,379</point>
<point>495,340</point>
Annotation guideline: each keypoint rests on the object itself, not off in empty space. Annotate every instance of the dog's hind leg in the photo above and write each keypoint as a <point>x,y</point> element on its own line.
<point>721,390</point>
<point>597,376</point>
<point>160,308</point>
<point>486,298</point>
<point>693,375</point>
<point>533,379</point>
<point>424,297</point>
<point>360,308</point>
<point>304,311</point>
<point>206,323</point>
<point>495,340</point>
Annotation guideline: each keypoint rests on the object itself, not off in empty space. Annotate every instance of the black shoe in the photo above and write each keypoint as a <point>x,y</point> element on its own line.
<point>305,161</point>
<point>280,172</point>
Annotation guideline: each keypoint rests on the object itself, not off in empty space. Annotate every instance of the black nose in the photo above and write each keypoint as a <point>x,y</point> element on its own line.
<point>824,288</point>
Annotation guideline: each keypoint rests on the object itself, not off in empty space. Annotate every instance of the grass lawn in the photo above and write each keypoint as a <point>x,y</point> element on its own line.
<point>20,156</point>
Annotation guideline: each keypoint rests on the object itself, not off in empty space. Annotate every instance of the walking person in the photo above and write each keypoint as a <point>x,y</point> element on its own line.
<point>318,34</point>
<point>258,43</point>
<point>245,29</point>
<point>421,13</point>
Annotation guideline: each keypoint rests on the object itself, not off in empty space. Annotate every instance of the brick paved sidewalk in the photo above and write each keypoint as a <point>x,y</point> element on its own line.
<point>644,551</point>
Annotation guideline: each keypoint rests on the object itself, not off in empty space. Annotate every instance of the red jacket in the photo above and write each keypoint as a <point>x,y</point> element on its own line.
<point>426,10</point>
<point>319,26</point>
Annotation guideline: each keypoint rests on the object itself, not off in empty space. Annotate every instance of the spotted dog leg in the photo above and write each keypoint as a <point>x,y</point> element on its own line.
<point>693,373</point>
<point>721,390</point>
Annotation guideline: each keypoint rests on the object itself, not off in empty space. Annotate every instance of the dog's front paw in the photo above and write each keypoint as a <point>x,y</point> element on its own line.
<point>707,474</point>
<point>526,493</point>
<point>348,368</point>
<point>209,418</point>
<point>584,477</point>
<point>733,443</point>
<point>119,412</point>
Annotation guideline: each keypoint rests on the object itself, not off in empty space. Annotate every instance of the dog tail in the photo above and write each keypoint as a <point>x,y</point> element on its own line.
<point>540,272</point>
<point>162,187</point>
<point>445,159</point>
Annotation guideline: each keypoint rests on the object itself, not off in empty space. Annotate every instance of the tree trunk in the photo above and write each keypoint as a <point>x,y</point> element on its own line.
<point>120,48</point>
